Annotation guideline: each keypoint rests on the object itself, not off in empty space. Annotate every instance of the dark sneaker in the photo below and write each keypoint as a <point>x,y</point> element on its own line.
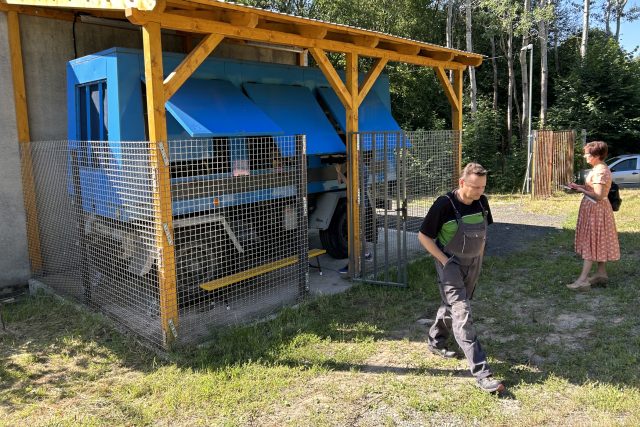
<point>491,385</point>
<point>442,352</point>
<point>344,270</point>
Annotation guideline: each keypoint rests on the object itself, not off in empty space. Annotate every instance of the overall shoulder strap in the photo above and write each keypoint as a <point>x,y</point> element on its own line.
<point>458,216</point>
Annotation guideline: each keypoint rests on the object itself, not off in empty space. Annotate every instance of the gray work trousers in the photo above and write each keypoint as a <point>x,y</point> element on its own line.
<point>457,283</point>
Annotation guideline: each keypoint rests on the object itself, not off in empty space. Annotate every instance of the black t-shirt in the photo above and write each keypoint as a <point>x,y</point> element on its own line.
<point>440,222</point>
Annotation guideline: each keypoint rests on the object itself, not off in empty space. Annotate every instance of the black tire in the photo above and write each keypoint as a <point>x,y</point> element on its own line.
<point>335,238</point>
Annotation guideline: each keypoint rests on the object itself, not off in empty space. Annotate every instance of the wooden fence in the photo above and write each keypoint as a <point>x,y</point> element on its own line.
<point>553,154</point>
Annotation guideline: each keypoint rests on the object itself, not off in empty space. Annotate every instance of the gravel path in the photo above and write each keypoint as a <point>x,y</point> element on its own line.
<point>513,228</point>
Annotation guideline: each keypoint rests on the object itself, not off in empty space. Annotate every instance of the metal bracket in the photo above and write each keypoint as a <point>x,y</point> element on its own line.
<point>174,331</point>
<point>163,153</point>
<point>167,233</point>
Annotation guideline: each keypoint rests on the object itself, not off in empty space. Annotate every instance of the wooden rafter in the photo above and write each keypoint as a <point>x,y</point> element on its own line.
<point>332,76</point>
<point>89,4</point>
<point>371,78</point>
<point>206,26</point>
<point>448,89</point>
<point>180,75</point>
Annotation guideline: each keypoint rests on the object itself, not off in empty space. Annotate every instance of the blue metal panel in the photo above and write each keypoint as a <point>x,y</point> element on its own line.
<point>296,111</point>
<point>210,108</point>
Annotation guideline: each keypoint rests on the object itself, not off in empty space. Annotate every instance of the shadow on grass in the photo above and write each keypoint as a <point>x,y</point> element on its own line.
<point>606,352</point>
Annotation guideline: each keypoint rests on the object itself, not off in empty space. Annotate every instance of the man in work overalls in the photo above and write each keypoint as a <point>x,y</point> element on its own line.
<point>454,233</point>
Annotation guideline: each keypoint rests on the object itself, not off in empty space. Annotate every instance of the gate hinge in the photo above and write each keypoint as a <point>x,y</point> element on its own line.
<point>163,153</point>
<point>167,232</point>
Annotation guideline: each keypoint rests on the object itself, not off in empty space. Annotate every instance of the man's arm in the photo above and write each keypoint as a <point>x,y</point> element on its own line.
<point>430,245</point>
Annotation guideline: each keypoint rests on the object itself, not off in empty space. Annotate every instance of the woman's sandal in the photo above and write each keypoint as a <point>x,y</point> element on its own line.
<point>599,280</point>
<point>580,285</point>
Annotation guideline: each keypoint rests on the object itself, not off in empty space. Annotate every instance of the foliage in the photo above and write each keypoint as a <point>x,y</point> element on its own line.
<point>600,94</point>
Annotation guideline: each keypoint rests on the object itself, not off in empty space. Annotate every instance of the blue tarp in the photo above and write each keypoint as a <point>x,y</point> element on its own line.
<point>373,116</point>
<point>216,108</point>
<point>296,111</point>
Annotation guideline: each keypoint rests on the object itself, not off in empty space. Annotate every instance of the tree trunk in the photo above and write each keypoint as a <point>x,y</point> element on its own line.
<point>472,70</point>
<point>449,30</point>
<point>543,31</point>
<point>524,71</point>
<point>585,29</point>
<point>510,89</point>
<point>619,9</point>
<point>494,64</point>
<point>607,17</point>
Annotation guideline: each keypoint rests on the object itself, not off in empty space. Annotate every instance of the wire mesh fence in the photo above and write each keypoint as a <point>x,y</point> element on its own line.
<point>239,229</point>
<point>401,174</point>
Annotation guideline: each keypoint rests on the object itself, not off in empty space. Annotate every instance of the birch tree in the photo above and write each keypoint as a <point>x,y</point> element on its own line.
<point>585,28</point>
<point>472,70</point>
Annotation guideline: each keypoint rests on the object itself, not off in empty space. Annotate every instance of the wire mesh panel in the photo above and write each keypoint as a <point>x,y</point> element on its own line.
<point>240,226</point>
<point>97,228</point>
<point>431,167</point>
<point>239,229</point>
<point>401,174</point>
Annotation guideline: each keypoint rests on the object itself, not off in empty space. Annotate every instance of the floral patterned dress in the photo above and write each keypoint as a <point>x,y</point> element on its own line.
<point>596,234</point>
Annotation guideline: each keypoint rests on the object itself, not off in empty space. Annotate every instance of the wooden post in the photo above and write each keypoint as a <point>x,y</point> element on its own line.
<point>157,125</point>
<point>24,138</point>
<point>354,197</point>
<point>456,123</point>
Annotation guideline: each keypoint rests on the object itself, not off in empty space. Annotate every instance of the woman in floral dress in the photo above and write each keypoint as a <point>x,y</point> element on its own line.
<point>596,235</point>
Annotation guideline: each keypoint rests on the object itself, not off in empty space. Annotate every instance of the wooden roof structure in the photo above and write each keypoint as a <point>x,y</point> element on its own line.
<point>216,20</point>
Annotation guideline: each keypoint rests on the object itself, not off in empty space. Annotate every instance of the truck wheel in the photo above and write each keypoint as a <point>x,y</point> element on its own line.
<point>335,238</point>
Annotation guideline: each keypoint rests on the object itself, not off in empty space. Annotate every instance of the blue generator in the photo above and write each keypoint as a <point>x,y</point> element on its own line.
<point>213,123</point>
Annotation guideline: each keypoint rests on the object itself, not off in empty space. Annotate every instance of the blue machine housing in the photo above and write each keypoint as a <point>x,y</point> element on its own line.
<point>224,98</point>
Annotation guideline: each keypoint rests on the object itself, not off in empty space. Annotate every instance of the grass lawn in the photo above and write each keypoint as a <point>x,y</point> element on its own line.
<point>357,358</point>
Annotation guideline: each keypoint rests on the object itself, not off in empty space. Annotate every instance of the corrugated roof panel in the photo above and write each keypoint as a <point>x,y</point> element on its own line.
<point>296,111</point>
<point>215,108</point>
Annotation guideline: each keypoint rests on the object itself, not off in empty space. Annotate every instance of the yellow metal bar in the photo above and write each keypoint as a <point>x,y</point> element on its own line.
<point>24,138</point>
<point>353,176</point>
<point>162,187</point>
<point>256,271</point>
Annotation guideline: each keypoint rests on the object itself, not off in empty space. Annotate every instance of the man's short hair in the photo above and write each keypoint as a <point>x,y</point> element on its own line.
<point>473,169</point>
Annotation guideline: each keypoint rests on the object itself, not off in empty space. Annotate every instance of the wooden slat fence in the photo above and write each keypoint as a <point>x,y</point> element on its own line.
<point>553,153</point>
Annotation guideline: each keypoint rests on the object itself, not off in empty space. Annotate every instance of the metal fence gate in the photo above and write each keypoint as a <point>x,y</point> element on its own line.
<point>401,174</point>
<point>553,158</point>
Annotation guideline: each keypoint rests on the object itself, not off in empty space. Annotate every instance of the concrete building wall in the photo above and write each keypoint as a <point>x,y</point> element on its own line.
<point>47,46</point>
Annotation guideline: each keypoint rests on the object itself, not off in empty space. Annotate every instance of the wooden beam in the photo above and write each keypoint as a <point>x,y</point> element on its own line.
<point>439,56</point>
<point>366,41</point>
<point>157,126</point>
<point>332,76</point>
<point>456,122</point>
<point>24,138</point>
<point>249,20</point>
<point>353,177</point>
<point>448,89</point>
<point>371,78</point>
<point>174,81</point>
<point>204,26</point>
<point>311,32</point>
<point>407,49</point>
<point>465,60</point>
<point>89,4</point>
<point>38,11</point>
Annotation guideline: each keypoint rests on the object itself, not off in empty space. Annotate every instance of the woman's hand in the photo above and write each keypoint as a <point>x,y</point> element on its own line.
<point>576,187</point>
